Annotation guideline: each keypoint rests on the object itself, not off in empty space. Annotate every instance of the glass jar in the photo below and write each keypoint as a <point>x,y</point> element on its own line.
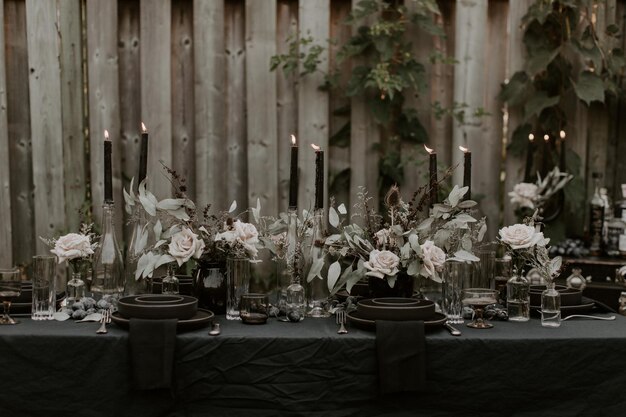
<point>550,307</point>
<point>518,298</point>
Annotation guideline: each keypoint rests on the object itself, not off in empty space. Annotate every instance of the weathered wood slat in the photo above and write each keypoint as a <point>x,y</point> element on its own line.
<point>183,144</point>
<point>46,121</point>
<point>156,91</point>
<point>6,250</point>
<point>18,115</point>
<point>235,93</point>
<point>287,102</point>
<point>210,143</point>
<point>104,113</point>
<point>261,90</point>
<point>314,16</point>
<point>70,28</point>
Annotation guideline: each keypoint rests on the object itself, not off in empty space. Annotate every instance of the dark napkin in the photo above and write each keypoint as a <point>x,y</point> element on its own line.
<point>401,351</point>
<point>152,345</point>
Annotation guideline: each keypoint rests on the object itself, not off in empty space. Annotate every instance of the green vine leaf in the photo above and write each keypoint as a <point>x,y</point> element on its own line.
<point>589,87</point>
<point>540,60</point>
<point>519,139</point>
<point>515,90</point>
<point>537,103</point>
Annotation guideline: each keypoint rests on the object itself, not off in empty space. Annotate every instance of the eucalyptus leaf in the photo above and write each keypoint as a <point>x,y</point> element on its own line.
<point>333,217</point>
<point>334,270</point>
<point>171,204</point>
<point>233,206</point>
<point>466,218</point>
<point>466,256</point>
<point>316,269</point>
<point>90,318</point>
<point>60,316</point>
<point>414,268</point>
<point>342,209</point>
<point>158,229</point>
<point>467,204</point>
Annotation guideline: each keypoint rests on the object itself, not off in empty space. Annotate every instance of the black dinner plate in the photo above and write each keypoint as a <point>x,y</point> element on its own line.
<point>356,320</point>
<point>202,319</point>
<point>585,306</point>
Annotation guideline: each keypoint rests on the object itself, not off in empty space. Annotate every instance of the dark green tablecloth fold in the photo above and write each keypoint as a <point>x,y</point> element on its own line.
<point>152,346</point>
<point>401,351</point>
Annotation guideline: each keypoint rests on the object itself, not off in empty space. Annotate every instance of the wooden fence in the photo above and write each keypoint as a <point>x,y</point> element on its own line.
<point>196,72</point>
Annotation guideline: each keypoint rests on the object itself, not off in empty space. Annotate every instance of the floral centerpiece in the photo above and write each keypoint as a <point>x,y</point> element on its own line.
<point>528,197</point>
<point>403,246</point>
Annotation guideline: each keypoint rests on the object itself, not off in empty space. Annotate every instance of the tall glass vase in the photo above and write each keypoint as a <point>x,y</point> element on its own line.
<point>550,307</point>
<point>108,271</point>
<point>75,286</point>
<point>142,237</point>
<point>238,284</point>
<point>456,276</point>
<point>317,288</point>
<point>209,281</point>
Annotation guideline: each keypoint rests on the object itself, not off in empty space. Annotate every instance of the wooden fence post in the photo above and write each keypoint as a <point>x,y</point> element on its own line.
<point>6,249</point>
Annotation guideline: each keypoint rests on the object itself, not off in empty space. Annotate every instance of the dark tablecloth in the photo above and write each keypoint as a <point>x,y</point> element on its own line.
<point>306,369</point>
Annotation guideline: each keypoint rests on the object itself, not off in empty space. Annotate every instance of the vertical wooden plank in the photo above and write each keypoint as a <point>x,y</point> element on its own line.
<point>46,120</point>
<point>287,104</point>
<point>469,82</point>
<point>261,99</point>
<point>314,17</point>
<point>129,88</point>
<point>211,167</point>
<point>515,61</point>
<point>70,28</point>
<point>486,181</point>
<point>620,121</point>
<point>156,96</point>
<point>102,65</point>
<point>339,160</point>
<point>364,134</point>
<point>6,251</point>
<point>183,144</point>
<point>235,116</point>
<point>18,115</point>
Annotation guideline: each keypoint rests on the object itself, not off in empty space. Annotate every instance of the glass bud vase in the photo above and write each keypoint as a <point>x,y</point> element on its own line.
<point>237,284</point>
<point>142,237</point>
<point>550,307</point>
<point>518,298</point>
<point>108,271</point>
<point>295,301</point>
<point>170,282</point>
<point>74,289</point>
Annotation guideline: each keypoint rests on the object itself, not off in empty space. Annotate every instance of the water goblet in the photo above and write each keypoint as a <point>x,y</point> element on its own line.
<point>10,289</point>
<point>478,299</point>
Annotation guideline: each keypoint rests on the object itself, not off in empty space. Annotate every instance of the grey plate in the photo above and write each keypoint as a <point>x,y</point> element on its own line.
<point>202,318</point>
<point>355,319</point>
<point>157,306</point>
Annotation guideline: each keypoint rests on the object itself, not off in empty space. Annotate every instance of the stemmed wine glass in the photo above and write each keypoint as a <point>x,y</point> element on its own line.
<point>478,299</point>
<point>10,288</point>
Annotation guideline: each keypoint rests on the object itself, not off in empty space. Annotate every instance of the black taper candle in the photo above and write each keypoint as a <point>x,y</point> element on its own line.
<point>467,173</point>
<point>562,165</point>
<point>319,179</point>
<point>530,151</point>
<point>293,175</point>
<point>108,182</point>
<point>143,155</point>
<point>434,187</point>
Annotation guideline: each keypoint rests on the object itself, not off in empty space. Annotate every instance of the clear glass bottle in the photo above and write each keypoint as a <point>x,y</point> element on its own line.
<point>616,227</point>
<point>108,270</point>
<point>518,298</point>
<point>142,237</point>
<point>622,303</point>
<point>295,294</point>
<point>75,286</point>
<point>317,288</point>
<point>596,218</point>
<point>550,307</point>
<point>170,282</point>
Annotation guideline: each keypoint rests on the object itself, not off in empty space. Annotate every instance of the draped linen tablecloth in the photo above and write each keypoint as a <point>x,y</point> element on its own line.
<point>307,369</point>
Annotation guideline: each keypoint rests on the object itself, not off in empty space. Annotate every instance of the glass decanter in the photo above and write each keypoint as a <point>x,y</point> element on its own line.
<point>108,269</point>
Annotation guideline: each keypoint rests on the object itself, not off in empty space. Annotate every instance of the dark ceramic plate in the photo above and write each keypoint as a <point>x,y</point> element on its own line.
<point>420,310</point>
<point>434,321</point>
<point>395,301</point>
<point>202,319</point>
<point>569,296</point>
<point>586,306</point>
<point>158,306</point>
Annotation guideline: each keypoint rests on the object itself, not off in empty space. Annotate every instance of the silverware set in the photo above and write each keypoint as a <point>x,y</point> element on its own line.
<point>106,318</point>
<point>340,317</point>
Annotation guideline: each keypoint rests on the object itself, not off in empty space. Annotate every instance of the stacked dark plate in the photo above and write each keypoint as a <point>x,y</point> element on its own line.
<point>162,306</point>
<point>572,300</point>
<point>395,309</point>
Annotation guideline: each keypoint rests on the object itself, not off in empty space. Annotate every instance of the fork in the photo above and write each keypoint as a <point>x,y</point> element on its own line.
<point>341,321</point>
<point>106,318</point>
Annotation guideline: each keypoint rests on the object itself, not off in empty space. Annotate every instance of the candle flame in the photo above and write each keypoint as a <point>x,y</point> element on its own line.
<point>293,140</point>
<point>314,146</point>
<point>428,149</point>
<point>106,135</point>
<point>531,137</point>
<point>562,134</point>
<point>464,149</point>
<point>143,128</point>
<point>546,138</point>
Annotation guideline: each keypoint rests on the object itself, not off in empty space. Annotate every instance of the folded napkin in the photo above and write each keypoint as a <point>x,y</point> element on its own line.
<point>401,351</point>
<point>152,345</point>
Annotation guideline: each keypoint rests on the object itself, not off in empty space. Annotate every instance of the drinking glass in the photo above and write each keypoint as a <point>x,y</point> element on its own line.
<point>456,274</point>
<point>44,288</point>
<point>484,270</point>
<point>10,289</point>
<point>478,299</point>
<point>253,308</point>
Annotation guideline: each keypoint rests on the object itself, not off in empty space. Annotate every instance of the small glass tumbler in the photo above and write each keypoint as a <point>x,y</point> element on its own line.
<point>254,308</point>
<point>455,277</point>
<point>44,288</point>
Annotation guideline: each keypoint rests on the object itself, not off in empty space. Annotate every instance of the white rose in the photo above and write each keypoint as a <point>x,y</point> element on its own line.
<point>524,194</point>
<point>229,236</point>
<point>433,257</point>
<point>382,263</point>
<point>247,235</point>
<point>72,246</point>
<point>521,236</point>
<point>185,245</point>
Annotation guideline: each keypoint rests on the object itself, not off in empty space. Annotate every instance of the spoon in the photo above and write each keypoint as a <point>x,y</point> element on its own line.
<point>582,316</point>
<point>215,330</point>
<point>453,330</point>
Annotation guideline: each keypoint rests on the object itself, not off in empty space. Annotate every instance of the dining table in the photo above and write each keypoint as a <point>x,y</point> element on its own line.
<point>63,368</point>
